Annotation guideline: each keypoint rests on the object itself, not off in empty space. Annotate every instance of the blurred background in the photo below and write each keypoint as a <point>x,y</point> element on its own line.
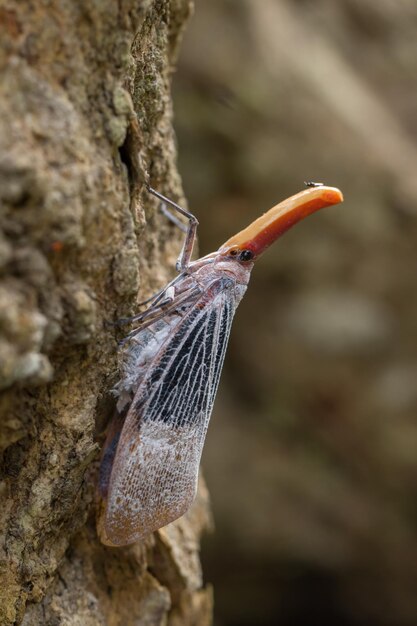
<point>311,455</point>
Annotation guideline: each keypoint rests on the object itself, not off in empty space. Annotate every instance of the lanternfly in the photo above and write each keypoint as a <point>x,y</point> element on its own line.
<point>171,366</point>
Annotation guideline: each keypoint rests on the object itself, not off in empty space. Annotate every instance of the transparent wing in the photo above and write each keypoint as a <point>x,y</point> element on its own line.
<point>155,471</point>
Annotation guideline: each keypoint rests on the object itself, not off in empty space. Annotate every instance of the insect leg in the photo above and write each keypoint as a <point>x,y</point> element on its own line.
<point>187,249</point>
<point>173,218</point>
<point>164,293</point>
<point>134,318</point>
<point>160,311</point>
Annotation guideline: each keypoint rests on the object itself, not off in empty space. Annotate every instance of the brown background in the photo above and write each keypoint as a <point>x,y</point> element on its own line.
<point>311,455</point>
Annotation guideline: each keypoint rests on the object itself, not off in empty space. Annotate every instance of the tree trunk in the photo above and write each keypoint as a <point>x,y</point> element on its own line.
<point>85,115</point>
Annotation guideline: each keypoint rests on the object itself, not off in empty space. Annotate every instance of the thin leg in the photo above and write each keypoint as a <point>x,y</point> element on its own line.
<point>181,265</point>
<point>173,218</point>
<point>187,248</point>
<point>133,318</point>
<point>151,315</point>
<point>155,300</point>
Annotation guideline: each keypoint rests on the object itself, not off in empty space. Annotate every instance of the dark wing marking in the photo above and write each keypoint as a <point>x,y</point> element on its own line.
<point>156,466</point>
<point>181,394</point>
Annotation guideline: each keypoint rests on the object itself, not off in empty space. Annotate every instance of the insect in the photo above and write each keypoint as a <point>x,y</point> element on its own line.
<point>311,183</point>
<point>171,365</point>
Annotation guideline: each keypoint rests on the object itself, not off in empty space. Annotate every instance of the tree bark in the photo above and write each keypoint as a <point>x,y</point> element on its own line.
<point>86,113</point>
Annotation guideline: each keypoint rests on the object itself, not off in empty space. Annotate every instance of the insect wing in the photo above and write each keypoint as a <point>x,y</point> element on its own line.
<point>155,471</point>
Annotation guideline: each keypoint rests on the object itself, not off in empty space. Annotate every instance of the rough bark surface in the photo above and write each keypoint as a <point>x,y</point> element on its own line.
<point>85,110</point>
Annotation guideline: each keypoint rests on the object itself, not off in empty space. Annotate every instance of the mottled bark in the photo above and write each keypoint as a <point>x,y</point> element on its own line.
<point>85,110</point>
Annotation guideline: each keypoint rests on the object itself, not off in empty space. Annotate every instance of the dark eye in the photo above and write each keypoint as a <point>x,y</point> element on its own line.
<point>246,255</point>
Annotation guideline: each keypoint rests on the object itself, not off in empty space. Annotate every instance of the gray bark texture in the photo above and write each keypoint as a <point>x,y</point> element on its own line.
<point>85,111</point>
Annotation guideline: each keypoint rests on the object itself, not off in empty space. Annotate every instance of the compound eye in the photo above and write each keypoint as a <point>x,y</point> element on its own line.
<point>246,255</point>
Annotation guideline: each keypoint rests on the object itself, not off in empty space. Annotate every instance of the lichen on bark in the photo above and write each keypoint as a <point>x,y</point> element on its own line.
<point>86,114</point>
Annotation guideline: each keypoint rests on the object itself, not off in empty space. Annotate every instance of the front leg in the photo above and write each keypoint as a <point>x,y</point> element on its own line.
<point>187,248</point>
